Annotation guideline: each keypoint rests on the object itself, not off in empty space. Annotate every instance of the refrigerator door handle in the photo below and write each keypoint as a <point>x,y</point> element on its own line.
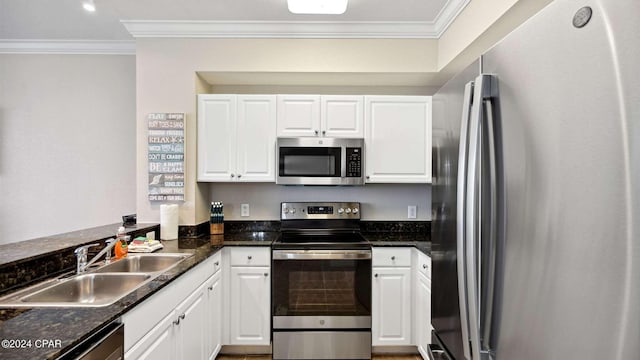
<point>486,312</point>
<point>483,92</point>
<point>461,223</point>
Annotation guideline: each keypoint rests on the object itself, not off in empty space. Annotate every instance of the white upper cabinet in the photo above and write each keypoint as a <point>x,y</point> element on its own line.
<point>216,137</point>
<point>298,115</point>
<point>398,139</point>
<point>236,138</point>
<point>256,138</point>
<point>320,115</point>
<point>342,116</point>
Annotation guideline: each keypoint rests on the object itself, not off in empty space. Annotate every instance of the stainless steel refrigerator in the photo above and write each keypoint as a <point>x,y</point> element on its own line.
<point>536,192</point>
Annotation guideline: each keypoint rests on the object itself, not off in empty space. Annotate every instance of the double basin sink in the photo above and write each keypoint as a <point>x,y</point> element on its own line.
<point>100,287</point>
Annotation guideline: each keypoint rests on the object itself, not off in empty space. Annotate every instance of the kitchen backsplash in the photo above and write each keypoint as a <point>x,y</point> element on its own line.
<point>379,202</point>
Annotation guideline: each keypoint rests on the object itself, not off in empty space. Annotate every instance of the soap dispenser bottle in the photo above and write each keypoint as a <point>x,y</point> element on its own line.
<point>122,245</point>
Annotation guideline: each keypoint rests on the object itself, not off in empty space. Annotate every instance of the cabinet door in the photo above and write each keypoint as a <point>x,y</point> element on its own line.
<point>298,115</point>
<point>250,304</point>
<point>216,137</point>
<point>214,320</point>
<point>157,344</point>
<point>423,314</point>
<point>192,326</point>
<point>391,306</point>
<point>342,116</point>
<point>256,138</point>
<point>398,139</point>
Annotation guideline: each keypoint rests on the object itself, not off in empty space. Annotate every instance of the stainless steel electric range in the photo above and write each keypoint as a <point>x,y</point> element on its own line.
<point>321,289</point>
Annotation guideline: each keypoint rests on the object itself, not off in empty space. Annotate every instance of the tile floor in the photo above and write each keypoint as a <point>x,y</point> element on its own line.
<point>268,357</point>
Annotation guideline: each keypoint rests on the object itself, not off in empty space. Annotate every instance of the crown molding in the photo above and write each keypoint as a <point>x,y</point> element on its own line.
<point>279,29</point>
<point>68,47</point>
<point>298,29</point>
<point>242,29</point>
<point>448,14</point>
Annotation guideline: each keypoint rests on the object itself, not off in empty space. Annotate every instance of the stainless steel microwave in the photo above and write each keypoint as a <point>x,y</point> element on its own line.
<point>320,161</point>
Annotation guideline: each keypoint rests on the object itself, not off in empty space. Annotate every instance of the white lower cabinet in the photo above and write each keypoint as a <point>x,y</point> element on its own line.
<point>191,323</point>
<point>391,297</point>
<point>422,305</point>
<point>214,299</point>
<point>423,314</point>
<point>159,343</point>
<point>250,296</point>
<point>170,325</point>
<point>401,298</point>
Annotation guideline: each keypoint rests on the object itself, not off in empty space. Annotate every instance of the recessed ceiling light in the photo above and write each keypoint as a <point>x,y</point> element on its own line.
<point>89,5</point>
<point>317,6</point>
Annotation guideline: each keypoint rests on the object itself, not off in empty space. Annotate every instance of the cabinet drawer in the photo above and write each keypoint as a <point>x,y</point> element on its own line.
<point>396,256</point>
<point>424,265</point>
<point>250,256</point>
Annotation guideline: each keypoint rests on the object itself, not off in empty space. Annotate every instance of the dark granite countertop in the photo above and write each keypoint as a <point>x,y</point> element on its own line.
<point>73,325</point>
<point>249,238</point>
<point>420,241</point>
<point>29,249</point>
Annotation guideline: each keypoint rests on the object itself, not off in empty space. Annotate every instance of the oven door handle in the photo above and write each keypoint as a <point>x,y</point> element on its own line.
<point>321,254</point>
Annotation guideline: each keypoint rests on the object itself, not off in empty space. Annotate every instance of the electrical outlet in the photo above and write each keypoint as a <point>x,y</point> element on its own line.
<point>412,211</point>
<point>244,210</point>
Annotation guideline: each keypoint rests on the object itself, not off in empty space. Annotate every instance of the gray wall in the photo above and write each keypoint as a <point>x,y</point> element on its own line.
<point>67,143</point>
<point>379,201</point>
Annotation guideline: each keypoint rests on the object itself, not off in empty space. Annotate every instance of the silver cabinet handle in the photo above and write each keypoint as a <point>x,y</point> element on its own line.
<point>210,288</point>
<point>368,177</point>
<point>177,321</point>
<point>232,175</point>
<point>316,131</point>
<point>216,263</point>
<point>239,176</point>
<point>424,266</point>
<point>376,275</point>
<point>393,258</point>
<point>249,257</point>
<point>266,274</point>
<point>323,132</point>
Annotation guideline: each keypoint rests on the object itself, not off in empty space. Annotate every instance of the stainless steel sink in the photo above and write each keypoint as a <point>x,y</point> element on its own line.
<point>145,263</point>
<point>101,287</point>
<point>81,290</point>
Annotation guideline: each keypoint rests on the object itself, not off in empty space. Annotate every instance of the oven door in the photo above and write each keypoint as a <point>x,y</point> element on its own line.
<point>321,289</point>
<point>321,304</point>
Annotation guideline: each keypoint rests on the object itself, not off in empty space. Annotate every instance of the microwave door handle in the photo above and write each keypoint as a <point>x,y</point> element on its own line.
<point>343,162</point>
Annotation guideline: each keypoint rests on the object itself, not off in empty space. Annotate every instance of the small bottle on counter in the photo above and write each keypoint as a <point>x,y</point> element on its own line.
<point>122,244</point>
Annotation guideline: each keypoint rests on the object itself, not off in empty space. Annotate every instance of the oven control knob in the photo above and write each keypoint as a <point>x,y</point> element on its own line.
<point>285,210</point>
<point>347,210</point>
<point>340,211</point>
<point>293,210</point>
<point>355,210</point>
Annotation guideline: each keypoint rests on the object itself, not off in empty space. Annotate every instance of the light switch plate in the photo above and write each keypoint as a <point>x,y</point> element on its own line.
<point>412,211</point>
<point>244,210</point>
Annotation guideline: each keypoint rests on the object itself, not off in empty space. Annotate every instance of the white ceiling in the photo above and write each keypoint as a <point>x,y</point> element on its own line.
<point>66,19</point>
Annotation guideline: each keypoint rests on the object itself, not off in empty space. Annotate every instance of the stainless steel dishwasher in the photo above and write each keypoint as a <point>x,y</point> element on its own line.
<point>106,344</point>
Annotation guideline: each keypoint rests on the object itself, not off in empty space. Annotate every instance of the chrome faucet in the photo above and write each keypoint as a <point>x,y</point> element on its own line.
<point>82,251</point>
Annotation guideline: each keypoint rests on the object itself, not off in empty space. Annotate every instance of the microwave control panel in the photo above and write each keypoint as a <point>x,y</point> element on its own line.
<point>354,162</point>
